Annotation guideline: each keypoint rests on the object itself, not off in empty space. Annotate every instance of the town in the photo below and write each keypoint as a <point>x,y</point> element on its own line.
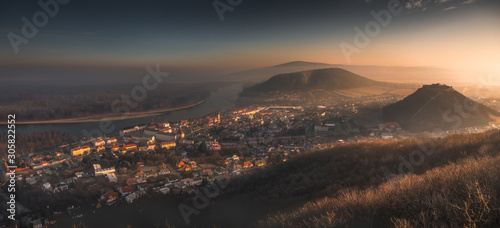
<point>178,158</point>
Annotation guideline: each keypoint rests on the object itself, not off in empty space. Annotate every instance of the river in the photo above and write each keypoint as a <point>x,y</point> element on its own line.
<point>221,99</point>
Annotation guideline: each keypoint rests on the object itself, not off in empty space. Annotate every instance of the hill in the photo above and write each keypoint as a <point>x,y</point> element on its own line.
<point>324,79</point>
<point>457,195</point>
<point>259,75</point>
<point>438,107</point>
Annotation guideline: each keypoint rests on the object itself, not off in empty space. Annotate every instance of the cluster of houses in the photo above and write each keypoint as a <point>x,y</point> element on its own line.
<point>256,137</point>
<point>255,132</point>
<point>171,182</point>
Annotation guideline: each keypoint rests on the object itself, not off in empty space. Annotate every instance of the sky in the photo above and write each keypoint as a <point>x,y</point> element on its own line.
<point>188,34</point>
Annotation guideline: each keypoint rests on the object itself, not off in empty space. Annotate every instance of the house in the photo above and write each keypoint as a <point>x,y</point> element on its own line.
<point>130,130</point>
<point>183,166</point>
<point>62,186</point>
<point>151,173</point>
<point>187,181</point>
<point>192,163</point>
<point>98,142</point>
<point>164,190</point>
<point>96,166</point>
<point>186,168</point>
<point>213,146</point>
<point>46,186</point>
<point>111,141</point>
<point>79,174</point>
<point>387,136</point>
<point>181,135</point>
<point>123,170</point>
<point>131,181</point>
<point>131,197</point>
<point>99,172</point>
<point>164,171</point>
<point>112,177</point>
<point>80,150</point>
<point>125,190</point>
<point>151,147</point>
<point>109,198</point>
<point>140,174</point>
<point>166,130</point>
<point>260,163</point>
<point>115,148</point>
<point>168,144</point>
<point>100,148</point>
<point>247,165</point>
<point>180,164</point>
<point>129,147</point>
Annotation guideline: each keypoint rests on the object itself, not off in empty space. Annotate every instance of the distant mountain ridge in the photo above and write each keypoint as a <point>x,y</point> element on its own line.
<point>261,74</point>
<point>302,64</point>
<point>438,106</point>
<point>327,79</point>
<point>397,74</point>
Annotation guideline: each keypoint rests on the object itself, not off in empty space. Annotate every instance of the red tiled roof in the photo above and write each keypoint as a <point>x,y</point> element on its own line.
<point>127,188</point>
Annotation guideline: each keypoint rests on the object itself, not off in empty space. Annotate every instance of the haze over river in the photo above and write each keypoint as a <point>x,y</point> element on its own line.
<point>221,99</point>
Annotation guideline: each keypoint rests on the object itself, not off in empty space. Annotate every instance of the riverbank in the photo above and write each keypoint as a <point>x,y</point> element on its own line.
<point>112,116</point>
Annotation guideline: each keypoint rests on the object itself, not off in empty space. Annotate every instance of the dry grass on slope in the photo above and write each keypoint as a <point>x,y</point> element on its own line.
<point>457,195</point>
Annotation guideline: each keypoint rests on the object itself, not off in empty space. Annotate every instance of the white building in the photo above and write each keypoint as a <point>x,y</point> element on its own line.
<point>387,136</point>
<point>112,177</point>
<point>99,142</point>
<point>131,197</point>
<point>99,172</point>
<point>46,186</point>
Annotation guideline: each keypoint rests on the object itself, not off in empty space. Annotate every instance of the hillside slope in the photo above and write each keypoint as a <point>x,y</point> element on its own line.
<point>329,173</point>
<point>457,195</point>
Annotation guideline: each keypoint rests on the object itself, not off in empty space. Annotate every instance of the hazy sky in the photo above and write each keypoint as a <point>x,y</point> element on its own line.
<point>461,34</point>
